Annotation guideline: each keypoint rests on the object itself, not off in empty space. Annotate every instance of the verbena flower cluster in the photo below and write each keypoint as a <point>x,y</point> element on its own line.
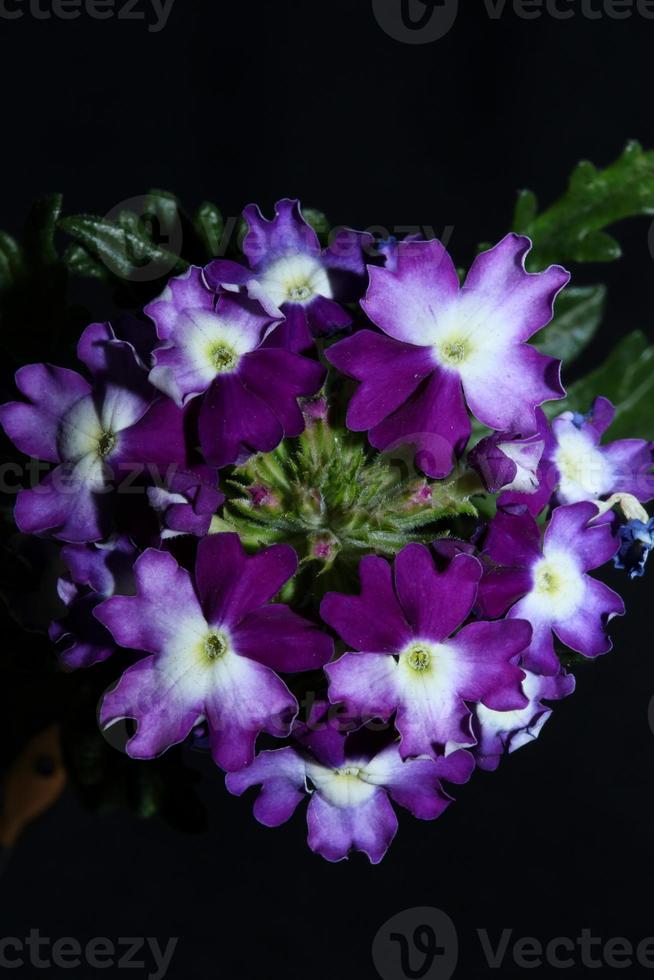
<point>268,492</point>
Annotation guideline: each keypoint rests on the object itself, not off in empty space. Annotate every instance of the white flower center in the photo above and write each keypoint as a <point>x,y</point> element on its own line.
<point>585,472</point>
<point>419,659</point>
<point>453,351</point>
<point>296,279</point>
<point>214,647</point>
<point>222,356</point>
<point>344,787</point>
<point>558,585</point>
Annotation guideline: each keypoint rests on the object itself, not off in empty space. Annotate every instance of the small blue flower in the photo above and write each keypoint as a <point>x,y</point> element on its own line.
<point>637,540</point>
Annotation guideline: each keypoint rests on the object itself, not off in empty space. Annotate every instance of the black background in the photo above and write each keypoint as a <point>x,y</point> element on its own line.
<point>255,101</point>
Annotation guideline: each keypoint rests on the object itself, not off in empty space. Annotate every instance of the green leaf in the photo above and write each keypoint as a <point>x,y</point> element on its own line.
<point>124,247</point>
<point>210,226</point>
<point>577,315</point>
<point>80,263</point>
<point>572,230</point>
<point>319,222</point>
<point>526,210</point>
<point>11,259</point>
<point>627,378</point>
<point>40,230</point>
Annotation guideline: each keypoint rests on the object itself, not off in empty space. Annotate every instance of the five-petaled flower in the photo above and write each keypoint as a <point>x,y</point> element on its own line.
<point>351,779</point>
<point>290,271</point>
<point>215,644</point>
<point>407,660</point>
<point>543,579</point>
<point>213,345</point>
<point>97,435</point>
<point>440,341</point>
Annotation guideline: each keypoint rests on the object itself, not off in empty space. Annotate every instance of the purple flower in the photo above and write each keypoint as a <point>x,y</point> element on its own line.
<point>215,644</point>
<point>441,342</point>
<point>408,662</point>
<point>499,732</point>
<point>97,571</point>
<point>187,501</point>
<point>586,470</point>
<point>508,463</point>
<point>288,270</point>
<point>351,785</point>
<point>545,581</point>
<point>213,346</point>
<point>575,466</point>
<point>636,542</point>
<point>94,433</point>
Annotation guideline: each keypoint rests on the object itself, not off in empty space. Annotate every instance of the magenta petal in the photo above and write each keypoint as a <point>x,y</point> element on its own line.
<point>389,372</point>
<point>346,260</point>
<point>250,699</point>
<point>631,461</point>
<point>335,831</point>
<point>486,653</point>
<point>506,395</point>
<point>187,292</point>
<point>65,505</point>
<point>293,333</point>
<point>434,420</point>
<point>366,683</point>
<point>281,775</point>
<point>53,391</point>
<point>156,440</point>
<point>404,301</point>
<point>279,378</point>
<point>524,301</point>
<point>373,620</point>
<point>435,603</point>
<point>279,638</point>
<point>234,423</point>
<point>165,601</point>
<point>540,656</point>
<point>585,630</point>
<point>415,784</point>
<point>232,584</point>
<point>499,589</point>
<point>223,272</point>
<point>513,539</point>
<point>326,317</point>
<point>569,530</point>
<point>163,718</point>
<point>287,232</point>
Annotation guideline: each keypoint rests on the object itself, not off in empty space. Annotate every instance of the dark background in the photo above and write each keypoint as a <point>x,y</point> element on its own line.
<point>255,101</point>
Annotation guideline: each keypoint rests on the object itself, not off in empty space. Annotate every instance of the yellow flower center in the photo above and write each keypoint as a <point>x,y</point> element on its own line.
<point>419,658</point>
<point>215,646</point>
<point>106,443</point>
<point>454,352</point>
<point>299,292</point>
<point>222,357</point>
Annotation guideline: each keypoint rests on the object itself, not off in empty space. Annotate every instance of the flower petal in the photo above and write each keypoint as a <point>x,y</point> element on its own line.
<point>232,584</point>
<point>434,420</point>
<point>335,831</point>
<point>389,372</point>
<point>281,775</point>
<point>372,621</point>
<point>435,602</point>
<point>408,301</point>
<point>279,638</point>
